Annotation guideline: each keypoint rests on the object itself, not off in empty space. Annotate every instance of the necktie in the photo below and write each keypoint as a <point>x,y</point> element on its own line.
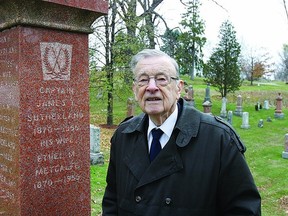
<point>155,145</point>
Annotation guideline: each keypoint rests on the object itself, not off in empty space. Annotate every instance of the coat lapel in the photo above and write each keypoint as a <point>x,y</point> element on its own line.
<point>137,160</point>
<point>166,163</point>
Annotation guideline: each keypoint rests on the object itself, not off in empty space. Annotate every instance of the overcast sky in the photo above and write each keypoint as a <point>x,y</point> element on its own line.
<point>258,23</point>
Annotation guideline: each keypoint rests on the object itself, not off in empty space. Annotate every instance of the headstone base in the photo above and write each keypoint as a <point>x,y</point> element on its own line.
<point>223,114</point>
<point>279,115</point>
<point>96,158</point>
<point>285,155</point>
<point>238,112</point>
<point>245,126</point>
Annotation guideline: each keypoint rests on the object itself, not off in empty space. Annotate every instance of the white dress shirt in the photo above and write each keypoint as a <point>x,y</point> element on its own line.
<point>166,127</point>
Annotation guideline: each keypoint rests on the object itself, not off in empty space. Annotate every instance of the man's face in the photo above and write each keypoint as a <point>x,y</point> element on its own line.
<point>154,89</point>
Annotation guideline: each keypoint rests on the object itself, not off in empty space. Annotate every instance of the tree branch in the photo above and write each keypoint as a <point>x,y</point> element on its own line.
<point>284,3</point>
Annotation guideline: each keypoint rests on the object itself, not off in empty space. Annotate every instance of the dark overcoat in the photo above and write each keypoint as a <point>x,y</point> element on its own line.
<point>201,171</point>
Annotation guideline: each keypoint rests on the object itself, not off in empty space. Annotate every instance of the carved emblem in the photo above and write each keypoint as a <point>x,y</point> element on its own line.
<point>56,61</point>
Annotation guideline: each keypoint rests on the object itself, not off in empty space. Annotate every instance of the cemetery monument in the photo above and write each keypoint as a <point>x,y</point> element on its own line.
<point>44,106</point>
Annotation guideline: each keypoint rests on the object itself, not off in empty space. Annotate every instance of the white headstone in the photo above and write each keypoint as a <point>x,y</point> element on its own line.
<point>266,105</point>
<point>245,120</point>
<point>223,112</point>
<point>94,139</point>
<point>285,152</point>
<point>96,157</point>
<point>229,117</point>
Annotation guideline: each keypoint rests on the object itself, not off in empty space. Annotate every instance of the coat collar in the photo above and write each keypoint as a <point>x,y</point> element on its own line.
<point>169,160</point>
<point>188,123</point>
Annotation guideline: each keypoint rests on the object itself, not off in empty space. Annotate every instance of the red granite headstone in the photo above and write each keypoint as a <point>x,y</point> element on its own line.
<point>44,109</point>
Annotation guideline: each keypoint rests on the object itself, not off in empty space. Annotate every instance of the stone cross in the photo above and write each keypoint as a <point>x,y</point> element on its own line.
<point>245,120</point>
<point>44,101</point>
<point>239,109</point>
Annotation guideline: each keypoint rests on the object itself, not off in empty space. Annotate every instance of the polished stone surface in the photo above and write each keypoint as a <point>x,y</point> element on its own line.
<point>44,109</point>
<point>68,15</point>
<point>44,115</point>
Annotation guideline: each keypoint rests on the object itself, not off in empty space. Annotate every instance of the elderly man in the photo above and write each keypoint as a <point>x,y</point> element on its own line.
<point>173,159</point>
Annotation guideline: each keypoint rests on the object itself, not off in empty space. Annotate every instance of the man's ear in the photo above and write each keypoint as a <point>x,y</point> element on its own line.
<point>180,86</point>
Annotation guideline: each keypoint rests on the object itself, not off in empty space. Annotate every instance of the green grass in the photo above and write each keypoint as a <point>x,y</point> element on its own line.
<point>98,182</point>
<point>264,145</point>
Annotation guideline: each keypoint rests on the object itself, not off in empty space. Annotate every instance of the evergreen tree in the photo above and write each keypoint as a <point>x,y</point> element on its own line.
<point>191,40</point>
<point>222,69</point>
<point>170,42</point>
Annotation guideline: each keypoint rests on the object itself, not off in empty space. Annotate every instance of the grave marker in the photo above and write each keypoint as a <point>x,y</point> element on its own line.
<point>230,116</point>
<point>96,157</point>
<point>285,152</point>
<point>245,120</point>
<point>189,95</point>
<point>130,107</point>
<point>266,105</point>
<point>261,123</point>
<point>278,111</point>
<point>44,106</point>
<point>207,94</point>
<point>239,109</point>
<point>223,112</point>
<point>207,107</point>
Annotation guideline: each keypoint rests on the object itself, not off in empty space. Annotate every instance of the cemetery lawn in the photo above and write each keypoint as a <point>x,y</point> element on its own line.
<point>264,145</point>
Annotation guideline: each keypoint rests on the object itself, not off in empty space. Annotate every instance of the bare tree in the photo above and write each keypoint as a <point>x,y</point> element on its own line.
<point>285,7</point>
<point>256,64</point>
<point>120,39</point>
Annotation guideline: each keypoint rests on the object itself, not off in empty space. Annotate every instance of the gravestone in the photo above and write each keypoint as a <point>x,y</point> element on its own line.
<point>266,105</point>
<point>261,123</point>
<point>130,107</point>
<point>223,112</point>
<point>207,107</point>
<point>258,106</point>
<point>245,120</point>
<point>239,109</point>
<point>189,95</point>
<point>44,106</point>
<point>207,94</point>
<point>96,157</point>
<point>278,111</point>
<point>285,152</point>
<point>230,116</point>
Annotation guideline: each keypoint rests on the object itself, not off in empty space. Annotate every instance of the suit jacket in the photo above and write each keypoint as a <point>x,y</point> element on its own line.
<point>200,171</point>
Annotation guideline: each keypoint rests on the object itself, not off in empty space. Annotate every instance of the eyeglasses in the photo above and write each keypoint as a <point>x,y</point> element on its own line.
<point>160,79</point>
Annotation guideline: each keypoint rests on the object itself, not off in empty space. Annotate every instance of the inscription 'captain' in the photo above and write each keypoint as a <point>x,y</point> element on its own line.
<point>56,90</point>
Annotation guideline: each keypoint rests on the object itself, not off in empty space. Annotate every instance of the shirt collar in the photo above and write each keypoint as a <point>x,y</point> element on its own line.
<point>168,125</point>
